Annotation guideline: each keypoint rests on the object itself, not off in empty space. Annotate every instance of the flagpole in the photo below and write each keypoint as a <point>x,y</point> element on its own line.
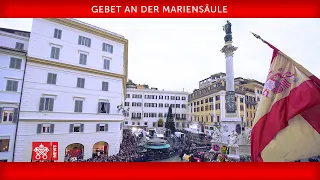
<point>270,45</point>
<point>257,36</point>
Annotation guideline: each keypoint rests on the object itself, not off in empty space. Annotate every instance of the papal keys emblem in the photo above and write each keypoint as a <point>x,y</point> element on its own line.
<point>278,82</point>
<point>41,151</point>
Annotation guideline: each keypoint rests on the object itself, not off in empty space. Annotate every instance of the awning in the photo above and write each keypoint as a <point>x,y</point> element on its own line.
<point>165,146</point>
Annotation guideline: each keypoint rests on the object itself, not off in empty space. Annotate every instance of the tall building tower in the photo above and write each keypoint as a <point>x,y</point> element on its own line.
<point>74,81</point>
<point>13,49</point>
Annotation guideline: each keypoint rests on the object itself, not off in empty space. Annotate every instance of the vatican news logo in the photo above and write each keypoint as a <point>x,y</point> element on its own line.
<point>44,151</point>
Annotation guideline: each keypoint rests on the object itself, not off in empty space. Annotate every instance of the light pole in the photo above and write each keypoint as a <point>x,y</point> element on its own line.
<point>122,108</point>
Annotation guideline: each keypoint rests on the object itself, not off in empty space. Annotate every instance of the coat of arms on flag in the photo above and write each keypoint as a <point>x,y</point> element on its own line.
<point>287,119</point>
<point>278,82</point>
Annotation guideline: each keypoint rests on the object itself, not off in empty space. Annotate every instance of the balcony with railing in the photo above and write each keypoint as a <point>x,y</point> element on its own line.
<point>211,90</point>
<point>136,118</point>
<point>181,119</point>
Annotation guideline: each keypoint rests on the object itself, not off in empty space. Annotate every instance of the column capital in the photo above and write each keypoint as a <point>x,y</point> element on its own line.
<point>228,49</point>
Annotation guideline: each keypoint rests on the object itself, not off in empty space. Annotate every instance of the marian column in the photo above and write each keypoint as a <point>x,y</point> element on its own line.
<point>231,124</point>
<point>230,129</point>
<point>228,50</point>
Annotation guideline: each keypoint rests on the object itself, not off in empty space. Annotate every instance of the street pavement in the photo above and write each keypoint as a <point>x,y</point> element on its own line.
<point>172,159</point>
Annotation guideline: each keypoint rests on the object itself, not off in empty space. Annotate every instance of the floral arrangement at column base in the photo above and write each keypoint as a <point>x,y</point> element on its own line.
<point>245,158</point>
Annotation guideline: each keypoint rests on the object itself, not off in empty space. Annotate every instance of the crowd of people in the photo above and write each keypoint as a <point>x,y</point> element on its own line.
<point>129,150</point>
<point>127,153</point>
<point>191,148</point>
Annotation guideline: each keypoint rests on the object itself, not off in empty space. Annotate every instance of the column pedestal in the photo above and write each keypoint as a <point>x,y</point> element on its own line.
<point>233,153</point>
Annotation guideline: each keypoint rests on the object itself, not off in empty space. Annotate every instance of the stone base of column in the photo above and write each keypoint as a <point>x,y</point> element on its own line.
<point>231,115</point>
<point>228,124</point>
<point>230,102</point>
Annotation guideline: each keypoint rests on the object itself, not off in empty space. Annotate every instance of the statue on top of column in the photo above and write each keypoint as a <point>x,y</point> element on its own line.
<point>227,30</point>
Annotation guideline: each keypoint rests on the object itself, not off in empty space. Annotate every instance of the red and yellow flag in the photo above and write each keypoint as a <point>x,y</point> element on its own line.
<point>287,123</point>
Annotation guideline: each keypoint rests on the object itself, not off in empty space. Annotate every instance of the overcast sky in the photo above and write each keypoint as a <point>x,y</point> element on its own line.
<point>173,54</point>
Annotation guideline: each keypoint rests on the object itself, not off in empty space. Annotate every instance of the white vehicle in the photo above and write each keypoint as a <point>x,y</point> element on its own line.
<point>179,134</point>
<point>161,136</point>
<point>151,132</point>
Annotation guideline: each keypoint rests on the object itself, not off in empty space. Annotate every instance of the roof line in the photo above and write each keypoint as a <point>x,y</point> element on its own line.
<point>8,29</point>
<point>96,27</point>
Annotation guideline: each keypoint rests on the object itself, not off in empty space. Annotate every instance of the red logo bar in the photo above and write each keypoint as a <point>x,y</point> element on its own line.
<point>41,151</point>
<point>55,153</point>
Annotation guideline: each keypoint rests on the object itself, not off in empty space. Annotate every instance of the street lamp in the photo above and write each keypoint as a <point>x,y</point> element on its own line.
<point>121,108</point>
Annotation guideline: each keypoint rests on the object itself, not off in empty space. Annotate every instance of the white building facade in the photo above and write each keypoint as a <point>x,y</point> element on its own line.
<point>74,80</point>
<point>148,106</point>
<point>13,46</point>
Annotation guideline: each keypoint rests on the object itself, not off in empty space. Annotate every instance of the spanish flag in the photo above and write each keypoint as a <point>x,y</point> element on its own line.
<point>287,123</point>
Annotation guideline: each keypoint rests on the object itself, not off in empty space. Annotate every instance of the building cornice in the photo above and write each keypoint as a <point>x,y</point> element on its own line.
<point>89,29</point>
<point>156,91</point>
<point>212,91</point>
<point>12,52</point>
<point>2,33</point>
<point>99,32</point>
<point>8,102</point>
<point>79,68</point>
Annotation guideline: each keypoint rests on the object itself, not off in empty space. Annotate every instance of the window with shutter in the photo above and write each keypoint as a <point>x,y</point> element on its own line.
<point>4,144</point>
<point>107,48</point>
<point>46,128</point>
<point>78,106</point>
<point>97,127</point>
<point>89,42</point>
<point>83,59</point>
<point>71,128</point>
<point>81,127</point>
<point>80,82</point>
<point>51,128</point>
<point>108,108</point>
<point>51,78</point>
<point>19,46</point>
<point>76,128</point>
<point>46,104</point>
<point>51,103</point>
<point>55,52</point>
<point>102,127</point>
<point>104,107</point>
<point>15,63</point>
<point>7,115</point>
<point>84,41</point>
<point>57,33</point>
<point>106,64</point>
<point>39,128</point>
<point>15,115</point>
<point>41,105</point>
<point>106,127</point>
<point>105,86</point>
<point>12,85</point>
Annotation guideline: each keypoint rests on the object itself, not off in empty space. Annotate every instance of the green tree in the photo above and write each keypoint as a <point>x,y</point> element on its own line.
<point>160,123</point>
<point>170,121</point>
